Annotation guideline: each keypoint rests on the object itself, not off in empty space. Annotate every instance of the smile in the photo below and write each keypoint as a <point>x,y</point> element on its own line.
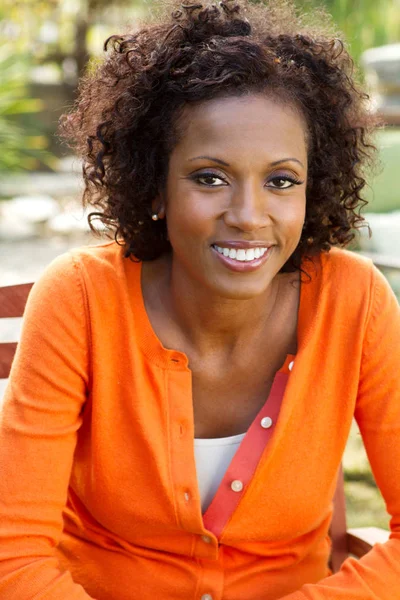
<point>241,254</point>
<point>242,260</point>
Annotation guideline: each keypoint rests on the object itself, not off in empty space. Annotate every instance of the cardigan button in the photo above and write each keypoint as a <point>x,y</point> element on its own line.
<point>206,539</point>
<point>206,597</point>
<point>291,365</point>
<point>237,485</point>
<point>266,422</point>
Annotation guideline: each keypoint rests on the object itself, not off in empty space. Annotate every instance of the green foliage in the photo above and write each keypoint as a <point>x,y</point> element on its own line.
<point>383,194</point>
<point>364,23</point>
<point>23,147</point>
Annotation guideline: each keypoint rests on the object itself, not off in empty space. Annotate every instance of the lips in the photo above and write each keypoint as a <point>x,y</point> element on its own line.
<point>241,254</point>
<point>242,259</point>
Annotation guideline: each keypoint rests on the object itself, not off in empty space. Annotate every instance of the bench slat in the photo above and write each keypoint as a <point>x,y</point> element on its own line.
<point>13,299</point>
<point>7,351</point>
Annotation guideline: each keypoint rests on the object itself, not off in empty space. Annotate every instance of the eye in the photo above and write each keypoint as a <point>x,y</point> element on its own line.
<point>283,182</point>
<point>209,179</point>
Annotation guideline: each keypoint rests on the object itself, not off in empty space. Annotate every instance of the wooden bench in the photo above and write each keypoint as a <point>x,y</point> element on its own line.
<point>355,542</point>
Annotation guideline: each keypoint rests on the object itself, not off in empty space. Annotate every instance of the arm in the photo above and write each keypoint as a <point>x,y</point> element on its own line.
<point>38,429</point>
<point>377,574</point>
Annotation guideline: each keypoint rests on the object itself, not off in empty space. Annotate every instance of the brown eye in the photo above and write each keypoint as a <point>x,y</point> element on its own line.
<point>283,183</point>
<point>209,179</point>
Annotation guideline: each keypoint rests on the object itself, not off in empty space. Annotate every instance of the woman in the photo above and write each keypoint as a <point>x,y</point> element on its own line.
<point>181,397</point>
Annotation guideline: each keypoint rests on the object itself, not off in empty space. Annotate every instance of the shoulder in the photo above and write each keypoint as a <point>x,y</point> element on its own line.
<point>347,280</point>
<point>105,260</point>
<point>354,272</point>
<point>338,285</point>
<point>347,266</point>
<point>85,271</point>
<point>108,256</point>
<point>342,274</point>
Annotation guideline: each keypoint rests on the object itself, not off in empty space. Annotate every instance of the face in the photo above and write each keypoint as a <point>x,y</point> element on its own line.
<point>235,196</point>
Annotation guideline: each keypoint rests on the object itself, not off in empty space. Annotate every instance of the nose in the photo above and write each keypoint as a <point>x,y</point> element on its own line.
<point>248,208</point>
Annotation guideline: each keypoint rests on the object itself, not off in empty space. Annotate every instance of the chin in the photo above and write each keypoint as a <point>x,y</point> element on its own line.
<point>239,290</point>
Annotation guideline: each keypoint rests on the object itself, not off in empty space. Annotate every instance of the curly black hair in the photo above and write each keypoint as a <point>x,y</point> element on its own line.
<point>124,123</point>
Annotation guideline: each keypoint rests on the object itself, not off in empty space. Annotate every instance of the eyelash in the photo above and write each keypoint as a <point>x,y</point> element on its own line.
<point>197,176</point>
<point>293,180</point>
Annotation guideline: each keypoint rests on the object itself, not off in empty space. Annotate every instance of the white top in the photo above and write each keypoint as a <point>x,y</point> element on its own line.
<point>213,457</point>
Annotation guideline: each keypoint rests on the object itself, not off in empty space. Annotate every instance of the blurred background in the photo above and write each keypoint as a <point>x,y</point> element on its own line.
<point>45,47</point>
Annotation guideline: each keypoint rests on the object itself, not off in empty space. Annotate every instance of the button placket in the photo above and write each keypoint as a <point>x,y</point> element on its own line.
<point>183,471</point>
<point>242,468</point>
<point>212,580</point>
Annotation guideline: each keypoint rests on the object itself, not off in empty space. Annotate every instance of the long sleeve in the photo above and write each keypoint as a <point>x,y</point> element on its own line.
<point>377,574</point>
<point>40,417</point>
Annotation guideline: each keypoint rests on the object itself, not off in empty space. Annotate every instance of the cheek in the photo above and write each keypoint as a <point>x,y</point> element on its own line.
<point>298,217</point>
<point>292,224</point>
<point>293,214</point>
<point>190,215</point>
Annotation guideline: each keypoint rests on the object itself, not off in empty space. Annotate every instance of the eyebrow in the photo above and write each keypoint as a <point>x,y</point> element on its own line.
<point>217,160</point>
<point>278,162</point>
<point>225,164</point>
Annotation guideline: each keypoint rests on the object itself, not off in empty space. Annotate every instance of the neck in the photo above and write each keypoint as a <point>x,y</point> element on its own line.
<point>209,321</point>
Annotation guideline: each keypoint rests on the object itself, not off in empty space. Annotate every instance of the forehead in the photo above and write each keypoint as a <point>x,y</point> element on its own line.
<point>243,124</point>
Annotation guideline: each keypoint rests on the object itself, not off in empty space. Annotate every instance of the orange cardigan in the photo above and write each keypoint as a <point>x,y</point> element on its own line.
<point>98,489</point>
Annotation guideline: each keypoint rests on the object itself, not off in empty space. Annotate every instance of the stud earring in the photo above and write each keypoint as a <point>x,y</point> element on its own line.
<point>154,217</point>
<point>310,240</point>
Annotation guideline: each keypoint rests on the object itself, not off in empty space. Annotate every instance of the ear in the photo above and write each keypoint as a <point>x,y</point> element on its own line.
<point>158,207</point>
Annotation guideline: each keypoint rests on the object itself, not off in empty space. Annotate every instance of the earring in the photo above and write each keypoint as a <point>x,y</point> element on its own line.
<point>310,240</point>
<point>154,217</point>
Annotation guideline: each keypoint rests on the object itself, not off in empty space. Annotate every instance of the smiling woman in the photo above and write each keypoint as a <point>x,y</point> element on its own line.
<point>236,181</point>
<point>133,110</point>
<point>182,395</point>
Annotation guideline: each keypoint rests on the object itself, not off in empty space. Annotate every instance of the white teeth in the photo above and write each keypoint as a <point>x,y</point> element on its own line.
<point>250,254</point>
<point>241,254</point>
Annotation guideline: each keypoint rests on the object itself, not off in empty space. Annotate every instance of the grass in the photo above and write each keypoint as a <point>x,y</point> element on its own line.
<point>364,503</point>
